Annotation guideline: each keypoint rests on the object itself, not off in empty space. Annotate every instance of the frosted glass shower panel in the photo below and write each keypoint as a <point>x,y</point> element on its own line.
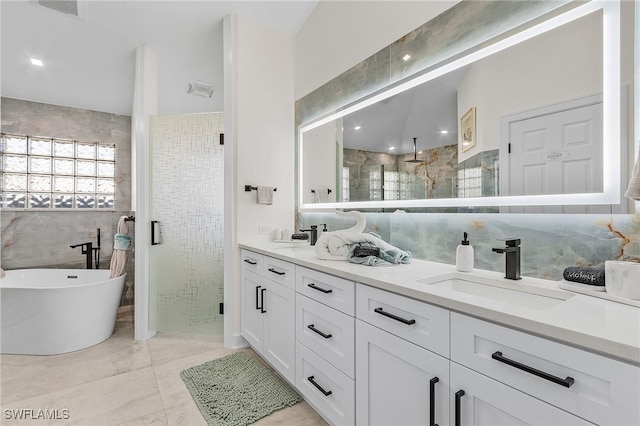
<point>187,198</point>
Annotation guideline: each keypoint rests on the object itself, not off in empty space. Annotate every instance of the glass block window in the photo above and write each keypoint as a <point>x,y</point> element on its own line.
<point>375,183</point>
<point>470,182</point>
<point>345,184</point>
<point>391,185</point>
<point>49,173</point>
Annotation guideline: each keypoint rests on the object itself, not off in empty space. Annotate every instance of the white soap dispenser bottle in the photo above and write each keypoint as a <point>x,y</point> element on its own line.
<point>464,256</point>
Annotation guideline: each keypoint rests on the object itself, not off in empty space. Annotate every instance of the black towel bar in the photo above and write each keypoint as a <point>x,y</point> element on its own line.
<point>313,191</point>
<point>249,188</point>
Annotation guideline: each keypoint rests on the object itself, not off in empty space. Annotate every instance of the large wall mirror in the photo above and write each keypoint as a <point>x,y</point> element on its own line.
<point>535,122</point>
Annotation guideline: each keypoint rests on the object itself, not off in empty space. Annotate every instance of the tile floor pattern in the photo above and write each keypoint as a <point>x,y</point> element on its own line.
<point>120,382</point>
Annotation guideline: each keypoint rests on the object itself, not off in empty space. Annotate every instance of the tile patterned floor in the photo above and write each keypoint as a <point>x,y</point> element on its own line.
<point>119,382</point>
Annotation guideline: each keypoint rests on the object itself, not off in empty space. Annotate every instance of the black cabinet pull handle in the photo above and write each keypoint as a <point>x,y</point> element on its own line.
<point>432,401</point>
<point>324,290</point>
<point>258,291</point>
<point>395,317</point>
<point>262,310</point>
<point>313,382</point>
<point>251,262</point>
<point>459,396</point>
<point>567,382</point>
<point>276,272</point>
<point>312,328</point>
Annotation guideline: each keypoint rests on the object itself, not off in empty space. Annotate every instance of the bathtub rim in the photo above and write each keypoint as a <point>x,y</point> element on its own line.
<point>5,284</point>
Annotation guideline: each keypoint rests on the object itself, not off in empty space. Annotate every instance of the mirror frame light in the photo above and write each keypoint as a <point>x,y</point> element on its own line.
<point>611,121</point>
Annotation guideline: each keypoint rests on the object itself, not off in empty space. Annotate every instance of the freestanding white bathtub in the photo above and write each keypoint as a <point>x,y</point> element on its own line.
<point>53,311</point>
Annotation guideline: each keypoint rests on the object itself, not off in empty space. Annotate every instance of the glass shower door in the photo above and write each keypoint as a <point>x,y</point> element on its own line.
<point>187,204</point>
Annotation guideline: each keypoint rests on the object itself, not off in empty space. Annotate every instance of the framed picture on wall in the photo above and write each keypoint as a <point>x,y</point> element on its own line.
<point>468,130</point>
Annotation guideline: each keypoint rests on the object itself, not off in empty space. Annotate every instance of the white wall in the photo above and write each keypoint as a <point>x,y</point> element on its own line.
<point>515,80</point>
<point>318,163</point>
<point>259,141</point>
<point>340,34</point>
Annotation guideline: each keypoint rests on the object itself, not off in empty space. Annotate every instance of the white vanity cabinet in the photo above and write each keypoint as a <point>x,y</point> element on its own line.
<point>367,356</point>
<point>398,382</point>
<point>481,401</point>
<point>268,311</point>
<point>401,378</point>
<point>596,388</point>
<point>325,344</point>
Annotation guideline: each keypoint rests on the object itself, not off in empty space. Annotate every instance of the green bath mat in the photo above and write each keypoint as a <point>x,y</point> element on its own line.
<point>237,390</point>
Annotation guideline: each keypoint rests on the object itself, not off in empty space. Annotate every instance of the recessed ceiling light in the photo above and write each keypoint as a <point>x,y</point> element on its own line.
<point>406,57</point>
<point>391,148</point>
<point>444,132</point>
<point>37,62</point>
<point>357,128</point>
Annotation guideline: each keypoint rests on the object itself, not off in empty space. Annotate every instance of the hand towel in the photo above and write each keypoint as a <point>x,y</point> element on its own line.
<point>265,195</point>
<point>338,245</point>
<point>633,190</point>
<point>585,275</point>
<point>121,242</point>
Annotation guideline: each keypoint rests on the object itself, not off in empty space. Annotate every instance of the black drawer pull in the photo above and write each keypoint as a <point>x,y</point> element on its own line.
<point>395,317</point>
<point>262,309</point>
<point>313,382</point>
<point>459,396</point>
<point>324,290</point>
<point>251,262</point>
<point>257,292</point>
<point>432,401</point>
<point>312,328</point>
<point>567,383</point>
<point>276,272</point>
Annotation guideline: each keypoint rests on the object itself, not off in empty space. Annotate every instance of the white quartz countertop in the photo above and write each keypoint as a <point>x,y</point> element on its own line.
<point>584,321</point>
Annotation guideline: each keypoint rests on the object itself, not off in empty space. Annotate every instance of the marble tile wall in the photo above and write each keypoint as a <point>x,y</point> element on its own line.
<point>549,242</point>
<point>41,239</point>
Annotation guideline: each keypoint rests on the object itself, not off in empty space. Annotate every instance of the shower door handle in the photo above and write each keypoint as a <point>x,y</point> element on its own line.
<point>156,235</point>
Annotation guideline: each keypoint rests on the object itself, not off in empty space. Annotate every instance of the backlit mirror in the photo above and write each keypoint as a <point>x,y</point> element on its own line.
<point>532,120</point>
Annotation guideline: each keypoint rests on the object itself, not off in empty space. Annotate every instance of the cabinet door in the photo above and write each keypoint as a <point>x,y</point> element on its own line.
<point>252,317</point>
<point>481,401</point>
<point>394,381</point>
<point>279,328</point>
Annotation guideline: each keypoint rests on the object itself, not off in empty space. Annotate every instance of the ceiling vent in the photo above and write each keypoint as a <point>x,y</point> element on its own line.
<point>199,88</point>
<point>68,7</point>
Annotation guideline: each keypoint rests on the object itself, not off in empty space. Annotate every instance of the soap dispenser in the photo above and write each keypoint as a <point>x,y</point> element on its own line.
<point>464,256</point>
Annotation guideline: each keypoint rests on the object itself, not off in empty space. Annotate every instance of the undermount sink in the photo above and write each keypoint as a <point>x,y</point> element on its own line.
<point>500,290</point>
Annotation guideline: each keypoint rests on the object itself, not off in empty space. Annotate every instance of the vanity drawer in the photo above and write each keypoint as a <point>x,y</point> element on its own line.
<point>418,322</point>
<point>251,261</point>
<point>327,332</point>
<point>279,271</point>
<point>596,388</point>
<point>328,289</point>
<point>324,387</point>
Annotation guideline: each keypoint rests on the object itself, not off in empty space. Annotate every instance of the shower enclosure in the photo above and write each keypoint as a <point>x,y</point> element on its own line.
<point>186,206</point>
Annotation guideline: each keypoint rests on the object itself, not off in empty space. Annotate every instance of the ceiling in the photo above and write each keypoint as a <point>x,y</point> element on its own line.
<point>89,59</point>
<point>421,112</point>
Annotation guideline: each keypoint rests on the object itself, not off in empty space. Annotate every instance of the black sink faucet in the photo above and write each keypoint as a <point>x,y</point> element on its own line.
<point>512,252</point>
<point>87,249</point>
<point>313,231</point>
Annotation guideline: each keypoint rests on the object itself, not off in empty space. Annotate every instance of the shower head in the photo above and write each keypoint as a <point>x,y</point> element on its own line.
<point>415,154</point>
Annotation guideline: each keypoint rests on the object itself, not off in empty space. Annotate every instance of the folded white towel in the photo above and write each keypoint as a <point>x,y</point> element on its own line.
<point>265,195</point>
<point>633,191</point>
<point>337,245</point>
